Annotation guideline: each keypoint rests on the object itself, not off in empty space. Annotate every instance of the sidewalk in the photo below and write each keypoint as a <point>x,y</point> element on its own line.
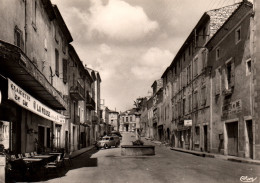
<point>81,151</point>
<point>219,156</point>
<point>209,155</point>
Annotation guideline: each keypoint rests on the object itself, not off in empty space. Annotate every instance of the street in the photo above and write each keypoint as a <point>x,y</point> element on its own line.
<point>107,165</point>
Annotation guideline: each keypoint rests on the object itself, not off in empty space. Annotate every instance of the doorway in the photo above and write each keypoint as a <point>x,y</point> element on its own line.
<point>249,129</point>
<point>205,138</point>
<point>67,141</point>
<point>232,138</point>
<point>41,138</point>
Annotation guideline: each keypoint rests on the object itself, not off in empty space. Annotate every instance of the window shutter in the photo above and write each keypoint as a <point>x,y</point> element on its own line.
<point>15,37</point>
<point>65,69</point>
<point>232,79</point>
<point>217,82</point>
<point>223,80</point>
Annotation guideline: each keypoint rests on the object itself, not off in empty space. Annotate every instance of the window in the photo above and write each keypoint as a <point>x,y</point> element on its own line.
<point>56,35</point>
<point>217,82</point>
<point>183,106</point>
<point>229,75</point>
<point>238,35</point>
<point>57,62</point>
<point>126,119</point>
<point>189,50</point>
<point>184,56</point>
<point>65,71</point>
<point>195,99</point>
<point>131,119</point>
<point>203,59</point>
<point>64,46</point>
<point>217,53</point>
<point>248,67</point>
<point>18,38</point>
<point>190,103</point>
<point>203,95</point>
<point>196,67</point>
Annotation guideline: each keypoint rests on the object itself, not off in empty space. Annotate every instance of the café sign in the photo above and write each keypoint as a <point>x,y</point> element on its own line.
<point>22,98</point>
<point>187,122</point>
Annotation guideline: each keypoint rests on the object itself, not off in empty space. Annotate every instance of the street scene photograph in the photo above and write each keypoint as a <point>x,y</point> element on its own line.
<point>130,91</point>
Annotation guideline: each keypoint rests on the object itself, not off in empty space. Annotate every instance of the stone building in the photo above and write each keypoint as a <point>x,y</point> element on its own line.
<point>46,93</point>
<point>33,50</point>
<point>128,120</point>
<point>231,78</point>
<point>190,87</point>
<point>167,105</point>
<point>255,48</point>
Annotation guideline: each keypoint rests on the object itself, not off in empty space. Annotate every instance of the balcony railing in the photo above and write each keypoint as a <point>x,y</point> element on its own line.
<point>90,103</point>
<point>77,92</point>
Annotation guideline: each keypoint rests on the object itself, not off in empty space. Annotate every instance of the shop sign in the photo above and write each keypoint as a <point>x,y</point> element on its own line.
<point>22,98</point>
<point>187,122</point>
<point>232,108</point>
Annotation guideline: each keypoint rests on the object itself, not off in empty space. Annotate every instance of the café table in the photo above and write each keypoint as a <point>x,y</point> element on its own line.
<point>46,158</point>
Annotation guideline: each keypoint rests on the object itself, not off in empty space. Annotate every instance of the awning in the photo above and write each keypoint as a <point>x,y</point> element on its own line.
<point>25,100</point>
<point>16,65</point>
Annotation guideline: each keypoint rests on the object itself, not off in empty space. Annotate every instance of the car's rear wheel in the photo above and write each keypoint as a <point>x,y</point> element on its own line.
<point>105,146</point>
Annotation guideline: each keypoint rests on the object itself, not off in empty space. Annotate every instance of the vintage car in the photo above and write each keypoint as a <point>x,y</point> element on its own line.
<point>107,142</point>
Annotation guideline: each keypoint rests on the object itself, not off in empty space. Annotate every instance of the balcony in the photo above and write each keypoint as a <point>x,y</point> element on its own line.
<point>90,103</point>
<point>15,65</point>
<point>77,92</point>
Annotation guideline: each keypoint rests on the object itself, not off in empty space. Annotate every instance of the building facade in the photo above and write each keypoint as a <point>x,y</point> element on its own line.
<point>46,93</point>
<point>231,80</point>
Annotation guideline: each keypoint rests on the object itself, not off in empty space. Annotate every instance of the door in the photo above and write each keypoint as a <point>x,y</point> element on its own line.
<point>41,138</point>
<point>205,138</point>
<point>232,134</point>
<point>67,141</point>
<point>250,137</point>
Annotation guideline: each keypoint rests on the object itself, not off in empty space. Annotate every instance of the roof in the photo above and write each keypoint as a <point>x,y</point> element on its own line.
<point>247,7</point>
<point>62,24</point>
<point>216,17</point>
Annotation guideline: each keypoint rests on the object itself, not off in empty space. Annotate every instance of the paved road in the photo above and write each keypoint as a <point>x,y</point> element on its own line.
<point>108,166</point>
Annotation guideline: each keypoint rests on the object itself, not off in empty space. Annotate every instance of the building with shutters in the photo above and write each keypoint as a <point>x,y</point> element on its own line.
<point>33,52</point>
<point>231,78</point>
<point>188,79</point>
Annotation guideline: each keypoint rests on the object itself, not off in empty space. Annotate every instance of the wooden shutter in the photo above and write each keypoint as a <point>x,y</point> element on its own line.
<point>232,79</point>
<point>223,80</point>
<point>217,82</point>
<point>65,71</point>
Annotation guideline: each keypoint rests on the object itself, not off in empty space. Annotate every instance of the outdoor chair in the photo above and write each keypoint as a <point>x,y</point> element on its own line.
<point>20,156</point>
<point>52,167</point>
<point>67,158</point>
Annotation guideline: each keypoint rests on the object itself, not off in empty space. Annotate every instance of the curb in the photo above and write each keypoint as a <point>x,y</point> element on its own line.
<point>243,161</point>
<point>213,156</point>
<point>80,153</point>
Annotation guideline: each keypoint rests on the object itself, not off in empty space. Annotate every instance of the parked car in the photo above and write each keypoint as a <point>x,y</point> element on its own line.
<point>108,141</point>
<point>116,133</point>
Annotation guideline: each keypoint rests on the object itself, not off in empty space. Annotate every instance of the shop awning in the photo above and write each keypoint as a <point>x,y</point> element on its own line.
<point>15,65</point>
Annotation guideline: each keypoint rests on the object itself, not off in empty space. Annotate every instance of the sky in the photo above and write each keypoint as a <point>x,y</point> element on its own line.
<point>131,42</point>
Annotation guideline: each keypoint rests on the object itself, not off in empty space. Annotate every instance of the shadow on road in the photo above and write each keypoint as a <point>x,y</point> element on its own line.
<point>42,174</point>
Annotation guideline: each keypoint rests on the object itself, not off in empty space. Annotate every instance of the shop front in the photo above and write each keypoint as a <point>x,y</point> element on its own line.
<point>27,124</point>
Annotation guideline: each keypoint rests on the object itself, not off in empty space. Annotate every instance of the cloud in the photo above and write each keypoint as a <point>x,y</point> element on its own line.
<point>152,63</point>
<point>119,20</point>
<point>105,49</point>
